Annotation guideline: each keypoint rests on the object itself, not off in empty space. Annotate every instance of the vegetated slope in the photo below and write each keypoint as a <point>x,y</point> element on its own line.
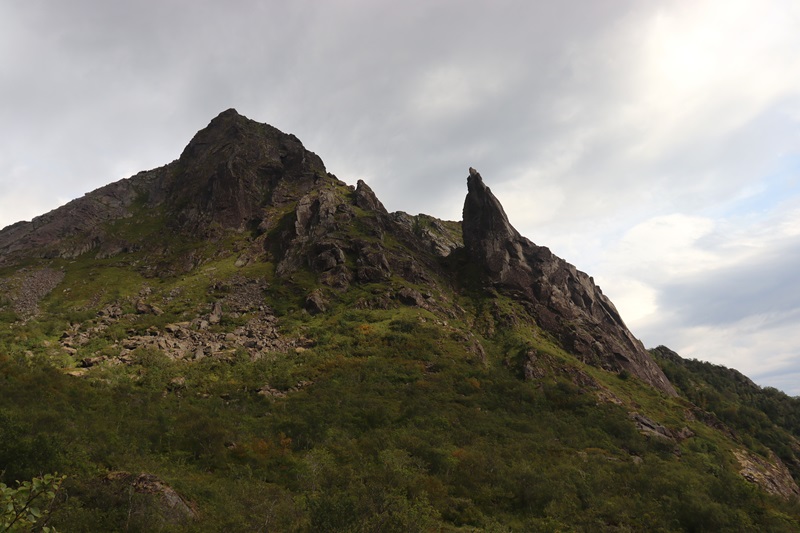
<point>239,340</point>
<point>764,418</point>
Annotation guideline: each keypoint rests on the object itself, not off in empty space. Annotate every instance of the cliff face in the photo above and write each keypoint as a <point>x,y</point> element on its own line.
<point>562,299</point>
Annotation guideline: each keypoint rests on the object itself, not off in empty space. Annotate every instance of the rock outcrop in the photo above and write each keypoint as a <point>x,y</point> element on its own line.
<point>366,199</point>
<point>562,299</point>
<point>768,473</point>
<point>236,169</point>
<point>157,504</point>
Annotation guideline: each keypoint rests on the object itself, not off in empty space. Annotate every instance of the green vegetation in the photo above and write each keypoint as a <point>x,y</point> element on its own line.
<point>763,418</point>
<point>457,413</point>
<point>392,426</point>
<point>27,507</point>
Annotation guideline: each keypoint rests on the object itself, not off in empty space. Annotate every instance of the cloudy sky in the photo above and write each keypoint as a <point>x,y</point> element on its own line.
<point>655,145</point>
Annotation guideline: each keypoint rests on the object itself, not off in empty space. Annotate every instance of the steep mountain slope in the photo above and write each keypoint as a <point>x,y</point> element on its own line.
<point>240,340</point>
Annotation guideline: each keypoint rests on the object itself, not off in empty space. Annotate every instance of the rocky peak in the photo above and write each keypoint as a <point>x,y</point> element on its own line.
<point>229,176</point>
<point>366,199</point>
<point>483,211</point>
<point>561,299</point>
<point>238,174</point>
<point>488,235</point>
<point>234,168</point>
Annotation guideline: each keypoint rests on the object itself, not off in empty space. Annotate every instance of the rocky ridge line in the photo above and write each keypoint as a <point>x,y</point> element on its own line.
<point>562,299</point>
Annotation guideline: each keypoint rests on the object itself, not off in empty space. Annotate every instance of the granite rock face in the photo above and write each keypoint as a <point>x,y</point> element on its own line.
<point>562,299</point>
<point>769,473</point>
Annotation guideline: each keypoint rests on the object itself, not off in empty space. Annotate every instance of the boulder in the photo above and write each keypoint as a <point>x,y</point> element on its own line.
<point>216,313</point>
<point>155,504</point>
<point>316,302</point>
<point>366,199</point>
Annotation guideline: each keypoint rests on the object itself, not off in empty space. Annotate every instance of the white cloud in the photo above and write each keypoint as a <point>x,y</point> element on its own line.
<point>23,198</point>
<point>709,68</point>
<point>722,290</point>
<point>667,246</point>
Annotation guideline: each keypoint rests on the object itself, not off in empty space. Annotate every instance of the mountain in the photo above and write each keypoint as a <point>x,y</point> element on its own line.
<point>238,175</point>
<point>242,340</point>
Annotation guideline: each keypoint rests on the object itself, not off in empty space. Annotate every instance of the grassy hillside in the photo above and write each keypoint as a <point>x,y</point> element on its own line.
<point>396,419</point>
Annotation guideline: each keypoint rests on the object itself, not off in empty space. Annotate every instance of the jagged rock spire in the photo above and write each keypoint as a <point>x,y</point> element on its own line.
<point>488,235</point>
<point>562,299</point>
<point>366,199</point>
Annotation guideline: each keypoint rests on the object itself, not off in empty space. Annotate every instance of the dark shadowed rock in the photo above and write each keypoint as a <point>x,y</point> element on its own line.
<point>562,299</point>
<point>156,503</point>
<point>409,296</point>
<point>366,199</point>
<point>234,168</point>
<point>489,237</point>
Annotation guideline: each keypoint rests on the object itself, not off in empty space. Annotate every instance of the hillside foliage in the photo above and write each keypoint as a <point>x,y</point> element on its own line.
<point>386,424</point>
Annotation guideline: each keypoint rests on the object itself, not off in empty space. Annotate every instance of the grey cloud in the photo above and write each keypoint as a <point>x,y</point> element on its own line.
<point>337,75</point>
<point>768,283</point>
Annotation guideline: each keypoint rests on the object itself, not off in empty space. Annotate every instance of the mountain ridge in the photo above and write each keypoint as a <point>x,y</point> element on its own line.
<point>236,173</point>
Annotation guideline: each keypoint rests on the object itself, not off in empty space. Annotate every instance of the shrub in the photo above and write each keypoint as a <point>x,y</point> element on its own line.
<point>28,506</point>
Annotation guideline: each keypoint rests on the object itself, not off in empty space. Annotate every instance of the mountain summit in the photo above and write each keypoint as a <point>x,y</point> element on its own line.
<point>234,168</point>
<point>230,172</point>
